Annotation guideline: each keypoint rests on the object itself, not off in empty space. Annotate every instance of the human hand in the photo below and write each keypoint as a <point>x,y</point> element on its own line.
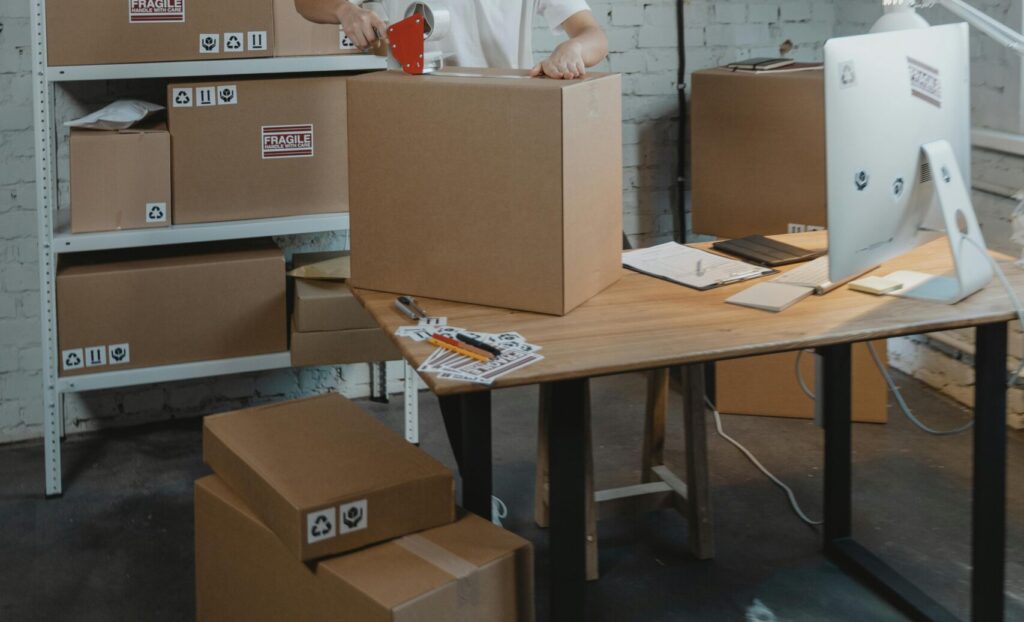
<point>565,63</point>
<point>363,27</point>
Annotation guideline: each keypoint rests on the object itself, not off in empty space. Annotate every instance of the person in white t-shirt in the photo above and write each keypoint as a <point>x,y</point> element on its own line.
<point>485,33</point>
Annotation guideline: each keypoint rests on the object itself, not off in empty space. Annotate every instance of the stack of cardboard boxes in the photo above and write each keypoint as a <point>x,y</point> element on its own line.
<point>317,511</point>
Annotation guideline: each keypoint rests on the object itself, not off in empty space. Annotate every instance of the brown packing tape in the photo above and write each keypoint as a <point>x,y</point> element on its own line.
<point>465,572</point>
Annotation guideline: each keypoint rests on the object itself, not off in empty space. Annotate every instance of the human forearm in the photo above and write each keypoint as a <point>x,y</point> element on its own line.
<point>321,11</point>
<point>593,45</point>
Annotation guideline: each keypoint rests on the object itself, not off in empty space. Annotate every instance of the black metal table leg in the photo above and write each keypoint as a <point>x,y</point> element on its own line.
<point>467,419</point>
<point>988,523</point>
<point>838,456</point>
<point>568,522</point>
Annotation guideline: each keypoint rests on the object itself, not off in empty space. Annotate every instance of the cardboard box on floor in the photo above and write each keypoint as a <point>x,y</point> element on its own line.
<point>258,148</point>
<point>172,304</point>
<point>468,570</point>
<point>97,32</point>
<point>297,36</point>
<point>510,190</point>
<point>120,179</point>
<point>758,152</point>
<point>325,476</point>
<point>767,385</point>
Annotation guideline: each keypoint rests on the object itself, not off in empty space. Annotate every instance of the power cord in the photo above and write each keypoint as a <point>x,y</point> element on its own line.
<point>746,452</point>
<point>997,269</point>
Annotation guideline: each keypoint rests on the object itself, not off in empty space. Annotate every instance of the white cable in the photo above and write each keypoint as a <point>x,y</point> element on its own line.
<point>1015,376</point>
<point>498,510</point>
<point>800,376</point>
<point>746,452</point>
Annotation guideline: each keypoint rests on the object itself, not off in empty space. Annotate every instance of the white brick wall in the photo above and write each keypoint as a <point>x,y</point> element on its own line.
<point>643,39</point>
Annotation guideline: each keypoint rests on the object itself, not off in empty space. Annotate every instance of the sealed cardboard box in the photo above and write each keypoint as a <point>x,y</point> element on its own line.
<point>120,179</point>
<point>325,476</point>
<point>326,305</point>
<point>175,304</point>
<point>767,385</point>
<point>258,148</point>
<point>468,570</point>
<point>340,347</point>
<point>297,36</point>
<point>510,190</point>
<point>758,152</point>
<point>97,32</point>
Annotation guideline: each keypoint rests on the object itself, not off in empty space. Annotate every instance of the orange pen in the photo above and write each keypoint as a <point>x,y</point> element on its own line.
<point>458,349</point>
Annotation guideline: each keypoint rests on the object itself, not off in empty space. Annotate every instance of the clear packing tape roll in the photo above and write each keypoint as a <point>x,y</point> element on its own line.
<point>437,18</point>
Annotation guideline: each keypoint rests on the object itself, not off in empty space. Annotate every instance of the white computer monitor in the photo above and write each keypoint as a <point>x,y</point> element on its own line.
<point>897,116</point>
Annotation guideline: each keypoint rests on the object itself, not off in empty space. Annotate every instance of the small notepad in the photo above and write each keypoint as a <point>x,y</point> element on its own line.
<point>770,296</point>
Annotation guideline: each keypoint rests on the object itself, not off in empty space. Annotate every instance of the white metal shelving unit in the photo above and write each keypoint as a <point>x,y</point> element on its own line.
<point>55,237</point>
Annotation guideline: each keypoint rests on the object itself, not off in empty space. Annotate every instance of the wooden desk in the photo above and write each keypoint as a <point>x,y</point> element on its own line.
<point>642,323</point>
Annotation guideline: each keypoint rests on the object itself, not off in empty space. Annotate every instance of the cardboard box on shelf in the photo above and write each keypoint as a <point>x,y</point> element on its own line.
<point>468,570</point>
<point>758,145</point>
<point>325,476</point>
<point>120,179</point>
<point>171,304</point>
<point>767,385</point>
<point>510,193</point>
<point>258,148</point>
<point>297,36</point>
<point>101,32</point>
<point>325,305</point>
<point>339,347</point>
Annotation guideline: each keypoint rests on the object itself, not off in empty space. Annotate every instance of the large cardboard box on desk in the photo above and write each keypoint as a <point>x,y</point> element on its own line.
<point>767,385</point>
<point>258,148</point>
<point>487,189</point>
<point>758,152</point>
<point>327,477</point>
<point>468,570</point>
<point>174,304</point>
<point>98,32</point>
<point>120,179</point>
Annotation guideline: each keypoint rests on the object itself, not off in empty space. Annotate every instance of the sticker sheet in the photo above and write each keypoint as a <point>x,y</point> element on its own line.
<point>516,353</point>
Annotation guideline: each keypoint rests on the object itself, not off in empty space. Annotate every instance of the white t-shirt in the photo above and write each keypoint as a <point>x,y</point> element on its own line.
<point>493,33</point>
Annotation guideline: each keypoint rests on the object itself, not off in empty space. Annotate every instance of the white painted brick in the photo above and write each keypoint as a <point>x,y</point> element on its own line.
<point>627,15</point>
<point>662,14</point>
<point>659,61</point>
<point>627,62</point>
<point>763,13</point>
<point>661,84</point>
<point>730,13</point>
<point>19,332</point>
<point>8,359</point>
<point>795,10</point>
<point>658,36</point>
<point>30,359</point>
<point>8,308</point>
<point>737,34</point>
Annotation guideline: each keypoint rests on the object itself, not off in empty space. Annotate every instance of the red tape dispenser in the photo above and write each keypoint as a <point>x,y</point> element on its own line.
<point>408,37</point>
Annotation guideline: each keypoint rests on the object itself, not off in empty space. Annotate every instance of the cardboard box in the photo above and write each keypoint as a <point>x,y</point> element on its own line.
<point>120,180</point>
<point>170,304</point>
<point>758,152</point>
<point>327,477</point>
<point>340,347</point>
<point>468,570</point>
<point>258,148</point>
<point>97,32</point>
<point>509,191</point>
<point>297,36</point>
<point>767,385</point>
<point>322,305</point>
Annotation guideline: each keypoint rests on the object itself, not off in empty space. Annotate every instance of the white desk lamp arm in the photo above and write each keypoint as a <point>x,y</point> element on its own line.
<point>1001,33</point>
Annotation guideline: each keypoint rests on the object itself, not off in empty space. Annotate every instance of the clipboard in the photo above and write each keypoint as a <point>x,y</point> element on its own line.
<point>691,267</point>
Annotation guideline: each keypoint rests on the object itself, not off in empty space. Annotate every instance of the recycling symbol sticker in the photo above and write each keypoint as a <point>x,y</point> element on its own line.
<point>234,42</point>
<point>73,359</point>
<point>181,98</point>
<point>320,525</point>
<point>156,212</point>
<point>353,516</point>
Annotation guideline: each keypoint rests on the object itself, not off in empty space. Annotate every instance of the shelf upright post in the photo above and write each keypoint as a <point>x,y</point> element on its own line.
<point>42,113</point>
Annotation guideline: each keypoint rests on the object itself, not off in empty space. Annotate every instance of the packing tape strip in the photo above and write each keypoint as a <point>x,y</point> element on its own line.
<point>437,18</point>
<point>467,583</point>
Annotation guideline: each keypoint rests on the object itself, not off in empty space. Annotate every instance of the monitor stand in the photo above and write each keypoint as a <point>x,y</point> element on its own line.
<point>973,270</point>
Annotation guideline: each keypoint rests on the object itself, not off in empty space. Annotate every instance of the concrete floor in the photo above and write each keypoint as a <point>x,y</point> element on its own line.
<point>118,544</point>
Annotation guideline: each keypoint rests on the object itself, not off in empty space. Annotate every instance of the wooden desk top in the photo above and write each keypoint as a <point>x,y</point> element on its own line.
<point>644,323</point>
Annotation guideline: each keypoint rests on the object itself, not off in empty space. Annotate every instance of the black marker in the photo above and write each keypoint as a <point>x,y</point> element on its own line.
<point>486,347</point>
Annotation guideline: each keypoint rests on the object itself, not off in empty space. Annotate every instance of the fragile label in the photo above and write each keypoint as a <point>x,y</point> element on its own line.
<point>156,11</point>
<point>287,141</point>
<point>353,516</point>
